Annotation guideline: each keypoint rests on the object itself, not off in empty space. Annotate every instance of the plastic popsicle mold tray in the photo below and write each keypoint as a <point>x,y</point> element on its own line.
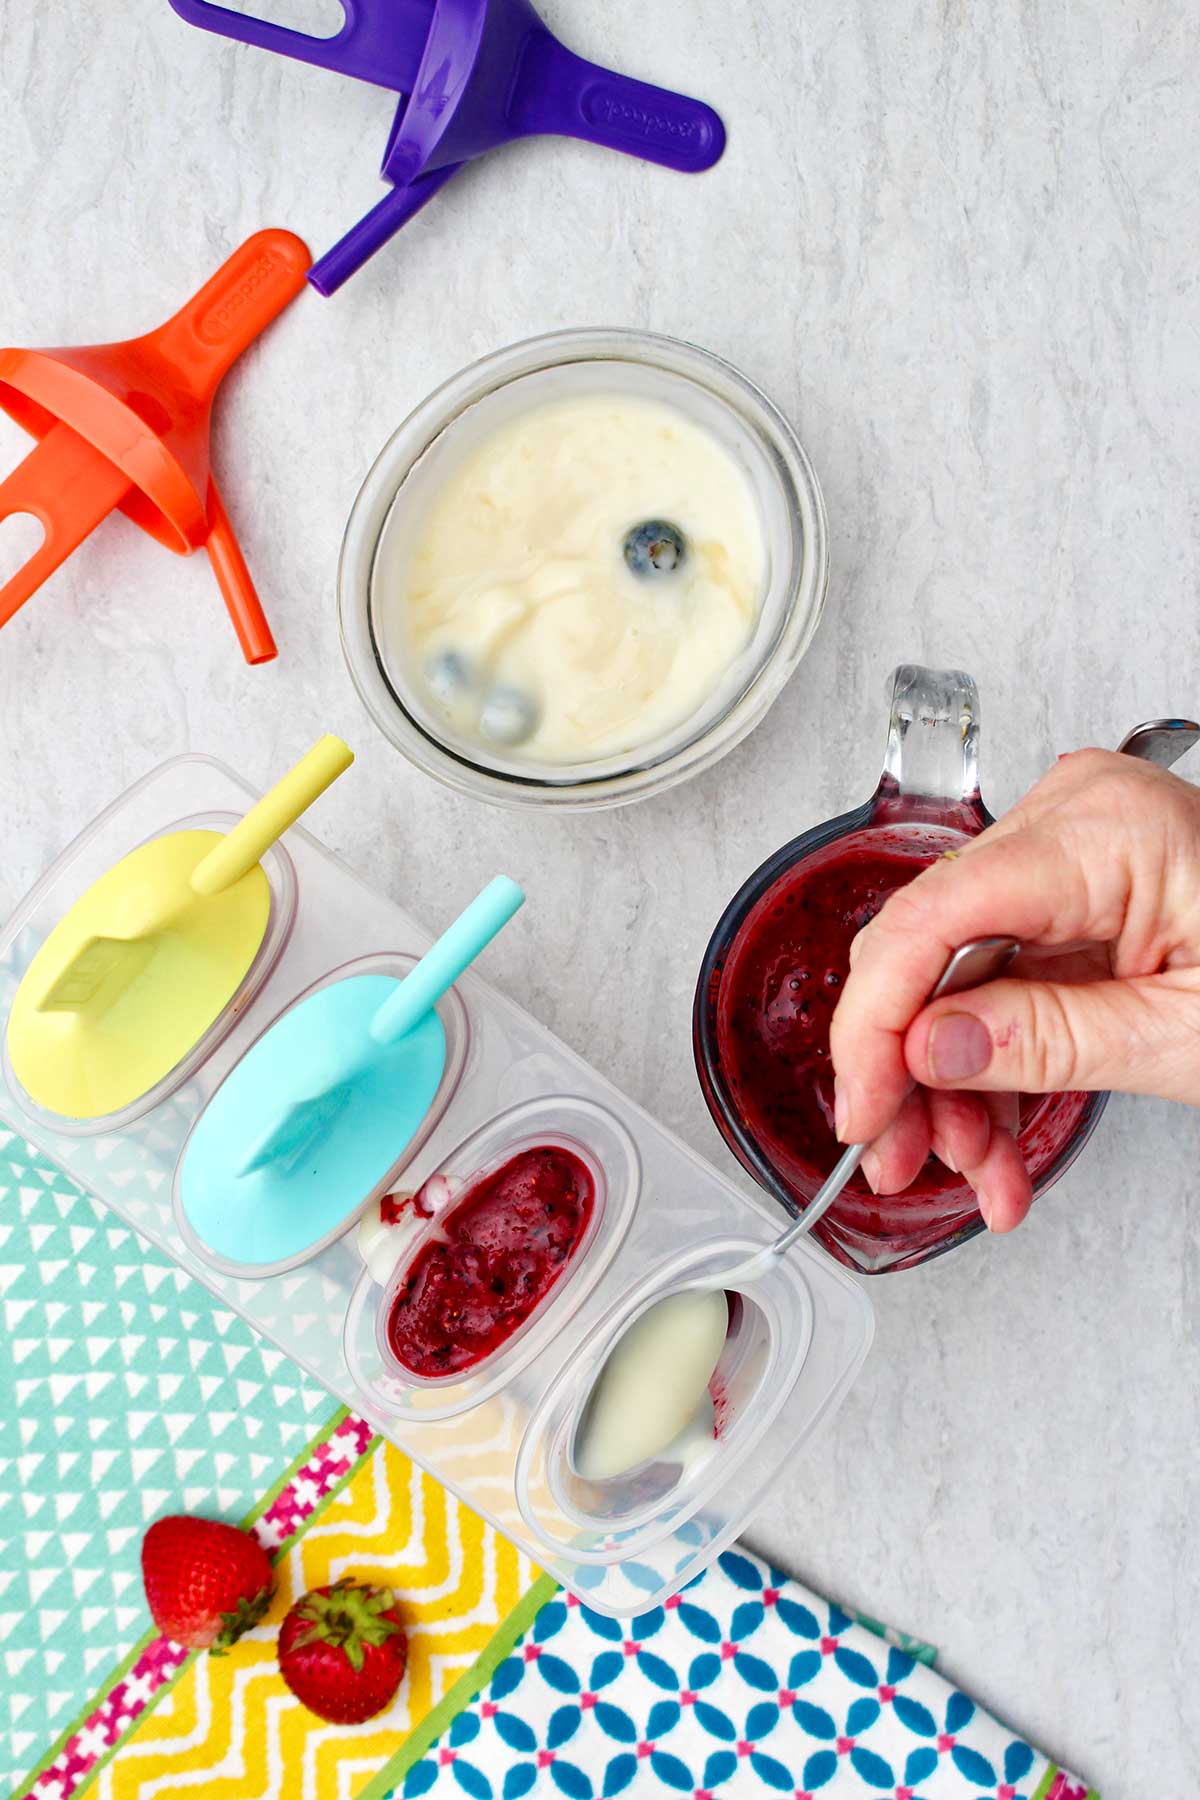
<point>495,1440</point>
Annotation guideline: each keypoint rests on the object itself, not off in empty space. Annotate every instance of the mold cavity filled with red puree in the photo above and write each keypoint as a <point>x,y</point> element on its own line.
<point>497,1254</point>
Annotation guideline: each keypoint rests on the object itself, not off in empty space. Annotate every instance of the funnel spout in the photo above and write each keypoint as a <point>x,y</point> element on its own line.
<point>236,584</point>
<point>373,230</point>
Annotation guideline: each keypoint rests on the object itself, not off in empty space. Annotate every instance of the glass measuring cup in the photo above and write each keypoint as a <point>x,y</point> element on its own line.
<point>771,975</point>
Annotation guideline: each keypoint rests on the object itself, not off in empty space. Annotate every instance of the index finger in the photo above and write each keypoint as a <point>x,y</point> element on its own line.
<point>1023,883</point>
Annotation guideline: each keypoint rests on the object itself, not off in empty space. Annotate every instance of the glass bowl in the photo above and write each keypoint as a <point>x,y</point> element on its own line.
<point>450,423</point>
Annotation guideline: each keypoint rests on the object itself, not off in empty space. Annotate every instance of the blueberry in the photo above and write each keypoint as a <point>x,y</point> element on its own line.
<point>509,716</point>
<point>655,547</point>
<point>449,677</point>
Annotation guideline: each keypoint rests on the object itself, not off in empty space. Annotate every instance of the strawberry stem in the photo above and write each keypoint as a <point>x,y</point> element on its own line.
<point>250,1612</point>
<point>348,1618</point>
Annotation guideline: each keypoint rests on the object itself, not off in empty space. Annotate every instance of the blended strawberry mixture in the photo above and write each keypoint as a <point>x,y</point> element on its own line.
<point>779,986</point>
<point>498,1253</point>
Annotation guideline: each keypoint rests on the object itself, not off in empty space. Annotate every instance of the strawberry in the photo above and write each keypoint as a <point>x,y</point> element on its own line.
<point>205,1582</point>
<point>342,1651</point>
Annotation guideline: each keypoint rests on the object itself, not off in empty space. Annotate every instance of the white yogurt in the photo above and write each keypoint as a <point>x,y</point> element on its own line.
<point>525,629</point>
<point>652,1393</point>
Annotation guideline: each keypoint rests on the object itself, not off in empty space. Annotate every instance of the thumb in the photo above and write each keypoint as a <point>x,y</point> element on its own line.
<point>1140,1036</point>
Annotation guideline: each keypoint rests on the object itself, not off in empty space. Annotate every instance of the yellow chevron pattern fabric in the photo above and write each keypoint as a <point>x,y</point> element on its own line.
<point>230,1730</point>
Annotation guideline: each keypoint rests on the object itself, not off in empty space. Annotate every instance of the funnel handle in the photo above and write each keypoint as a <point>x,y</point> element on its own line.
<point>244,846</point>
<point>380,41</point>
<point>68,486</point>
<point>237,588</point>
<point>445,961</point>
<point>210,331</point>
<point>373,230</point>
<point>560,92</point>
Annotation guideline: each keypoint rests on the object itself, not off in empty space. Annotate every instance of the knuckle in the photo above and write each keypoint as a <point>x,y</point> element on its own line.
<point>1089,761</point>
<point>907,909</point>
<point>1049,1054</point>
<point>1121,781</point>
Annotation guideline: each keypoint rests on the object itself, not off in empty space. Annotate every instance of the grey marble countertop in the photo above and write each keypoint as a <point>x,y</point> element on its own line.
<point>958,246</point>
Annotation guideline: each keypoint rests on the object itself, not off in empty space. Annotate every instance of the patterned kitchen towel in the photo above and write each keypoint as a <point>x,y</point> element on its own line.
<point>127,1391</point>
<point>227,1728</point>
<point>744,1684</point>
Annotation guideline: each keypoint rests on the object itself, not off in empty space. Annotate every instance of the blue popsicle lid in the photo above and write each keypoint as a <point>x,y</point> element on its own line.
<point>316,1116</point>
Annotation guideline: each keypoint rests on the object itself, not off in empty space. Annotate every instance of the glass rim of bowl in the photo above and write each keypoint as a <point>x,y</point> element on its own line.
<point>804,581</point>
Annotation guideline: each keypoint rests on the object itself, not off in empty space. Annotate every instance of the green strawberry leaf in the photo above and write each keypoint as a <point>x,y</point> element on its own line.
<point>250,1612</point>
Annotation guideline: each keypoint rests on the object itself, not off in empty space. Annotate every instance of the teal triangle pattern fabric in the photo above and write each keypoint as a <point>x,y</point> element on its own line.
<point>126,1392</point>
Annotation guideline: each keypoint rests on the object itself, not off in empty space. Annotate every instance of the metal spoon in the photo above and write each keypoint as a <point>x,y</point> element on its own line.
<point>1159,741</point>
<point>609,1413</point>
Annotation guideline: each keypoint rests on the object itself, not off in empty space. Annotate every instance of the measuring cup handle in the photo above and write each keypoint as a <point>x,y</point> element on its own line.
<point>932,763</point>
<point>379,42</point>
<point>559,92</point>
<point>210,331</point>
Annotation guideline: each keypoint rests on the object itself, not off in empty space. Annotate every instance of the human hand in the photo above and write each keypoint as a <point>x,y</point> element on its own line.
<point>1097,871</point>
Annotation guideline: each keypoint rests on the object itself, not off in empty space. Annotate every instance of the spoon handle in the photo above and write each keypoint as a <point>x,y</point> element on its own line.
<point>979,961</point>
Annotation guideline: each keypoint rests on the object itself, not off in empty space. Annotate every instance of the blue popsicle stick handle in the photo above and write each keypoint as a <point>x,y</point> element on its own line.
<point>381,40</point>
<point>444,962</point>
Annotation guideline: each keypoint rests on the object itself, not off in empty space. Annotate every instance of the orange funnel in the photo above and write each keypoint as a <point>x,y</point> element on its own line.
<point>126,425</point>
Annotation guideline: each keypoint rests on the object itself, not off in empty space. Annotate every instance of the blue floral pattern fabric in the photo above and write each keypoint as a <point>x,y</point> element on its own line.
<point>745,1684</point>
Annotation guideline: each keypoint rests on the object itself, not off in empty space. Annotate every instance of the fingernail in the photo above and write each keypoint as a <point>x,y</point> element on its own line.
<point>872,1170</point>
<point>985,1207</point>
<point>959,1047</point>
<point>944,1158</point>
<point>841,1111</point>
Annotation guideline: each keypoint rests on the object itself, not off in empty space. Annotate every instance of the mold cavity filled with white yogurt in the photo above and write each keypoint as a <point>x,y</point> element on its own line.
<point>584,580</point>
<point>653,1394</point>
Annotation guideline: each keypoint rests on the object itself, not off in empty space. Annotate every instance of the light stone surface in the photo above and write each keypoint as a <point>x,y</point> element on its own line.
<point>958,246</point>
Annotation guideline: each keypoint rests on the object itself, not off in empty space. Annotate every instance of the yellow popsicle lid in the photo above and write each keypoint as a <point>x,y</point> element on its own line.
<point>132,977</point>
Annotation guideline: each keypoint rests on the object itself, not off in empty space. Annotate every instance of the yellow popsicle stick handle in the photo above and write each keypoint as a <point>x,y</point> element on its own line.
<point>246,844</point>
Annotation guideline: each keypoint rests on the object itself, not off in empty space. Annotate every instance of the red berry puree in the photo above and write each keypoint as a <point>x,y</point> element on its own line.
<point>498,1253</point>
<point>778,989</point>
